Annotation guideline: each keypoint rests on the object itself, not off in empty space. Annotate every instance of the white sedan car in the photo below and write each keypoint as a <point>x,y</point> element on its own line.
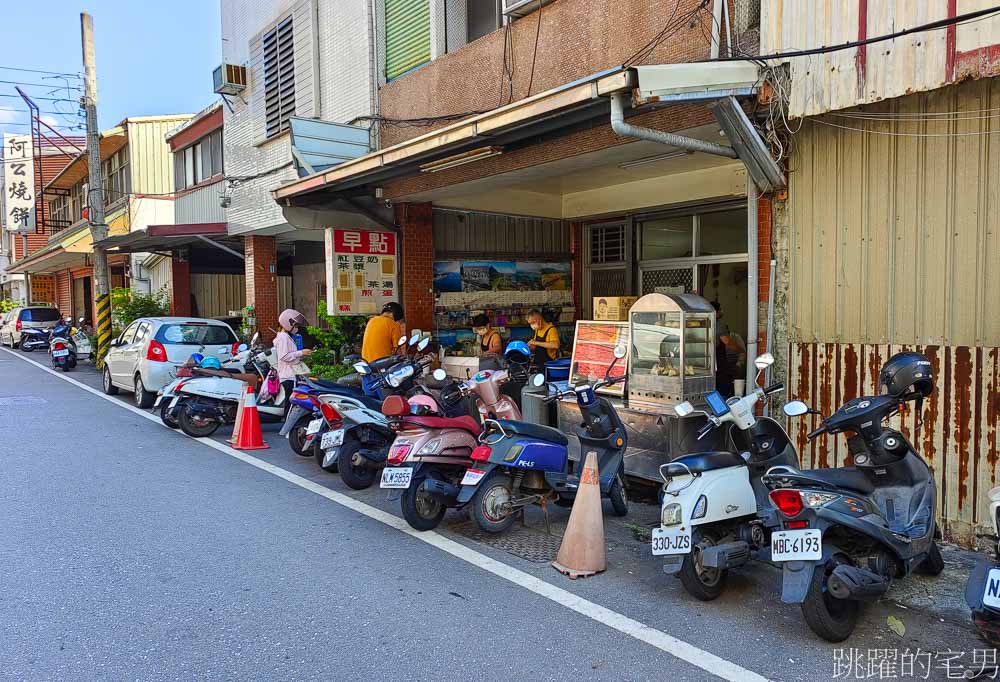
<point>145,357</point>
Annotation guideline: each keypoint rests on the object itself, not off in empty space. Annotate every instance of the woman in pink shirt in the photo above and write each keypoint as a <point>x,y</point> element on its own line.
<point>285,349</point>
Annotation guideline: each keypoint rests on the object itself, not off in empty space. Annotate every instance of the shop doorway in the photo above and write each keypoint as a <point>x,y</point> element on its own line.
<point>82,298</point>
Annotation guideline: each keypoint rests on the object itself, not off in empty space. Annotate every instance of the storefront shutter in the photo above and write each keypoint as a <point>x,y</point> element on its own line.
<point>407,35</point>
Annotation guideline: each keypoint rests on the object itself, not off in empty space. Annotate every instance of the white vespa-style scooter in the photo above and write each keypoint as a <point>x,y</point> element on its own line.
<point>165,403</point>
<point>716,513</point>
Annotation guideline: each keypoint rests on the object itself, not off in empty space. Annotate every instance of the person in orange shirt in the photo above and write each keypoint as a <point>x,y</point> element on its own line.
<point>381,336</point>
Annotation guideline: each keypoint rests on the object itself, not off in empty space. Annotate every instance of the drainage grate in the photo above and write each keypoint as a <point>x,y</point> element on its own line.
<point>524,542</point>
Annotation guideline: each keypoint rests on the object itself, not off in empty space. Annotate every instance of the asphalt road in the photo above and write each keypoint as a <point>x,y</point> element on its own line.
<point>129,551</point>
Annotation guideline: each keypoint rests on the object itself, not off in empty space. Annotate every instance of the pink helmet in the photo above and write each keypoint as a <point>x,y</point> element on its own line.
<point>423,401</point>
<point>288,317</point>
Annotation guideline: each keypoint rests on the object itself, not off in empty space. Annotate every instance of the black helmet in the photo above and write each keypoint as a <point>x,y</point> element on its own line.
<point>395,309</point>
<point>907,376</point>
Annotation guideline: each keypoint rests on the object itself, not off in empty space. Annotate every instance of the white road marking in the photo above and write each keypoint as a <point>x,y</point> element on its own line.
<point>686,652</point>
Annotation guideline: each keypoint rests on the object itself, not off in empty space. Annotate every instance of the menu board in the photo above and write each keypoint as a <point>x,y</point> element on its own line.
<point>594,351</point>
<point>361,271</point>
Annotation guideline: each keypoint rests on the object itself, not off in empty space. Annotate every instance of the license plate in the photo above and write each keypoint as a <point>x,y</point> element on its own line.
<point>671,540</point>
<point>472,476</point>
<point>991,595</point>
<point>797,545</point>
<point>396,477</point>
<point>60,353</point>
<point>332,439</point>
<point>314,427</point>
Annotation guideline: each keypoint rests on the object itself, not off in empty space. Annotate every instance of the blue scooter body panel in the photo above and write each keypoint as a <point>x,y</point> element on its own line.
<point>528,453</point>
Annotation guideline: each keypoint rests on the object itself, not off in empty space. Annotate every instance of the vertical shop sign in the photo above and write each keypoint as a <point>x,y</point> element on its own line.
<point>18,183</point>
<point>361,271</point>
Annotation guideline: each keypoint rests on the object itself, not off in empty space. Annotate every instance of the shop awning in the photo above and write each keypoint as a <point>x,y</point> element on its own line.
<point>169,238</point>
<point>69,251</point>
<point>111,141</point>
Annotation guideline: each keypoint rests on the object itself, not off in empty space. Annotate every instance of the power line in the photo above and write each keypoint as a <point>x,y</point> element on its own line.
<point>51,73</point>
<point>931,26</point>
<point>43,99</point>
<point>54,86</point>
<point>41,111</point>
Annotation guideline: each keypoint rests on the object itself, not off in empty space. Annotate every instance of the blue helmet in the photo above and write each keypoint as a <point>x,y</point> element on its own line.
<point>515,348</point>
<point>211,363</point>
<point>197,358</point>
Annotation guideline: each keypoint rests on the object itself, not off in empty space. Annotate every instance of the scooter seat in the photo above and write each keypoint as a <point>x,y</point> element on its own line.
<point>546,433</point>
<point>843,477</point>
<point>701,462</point>
<point>464,422</point>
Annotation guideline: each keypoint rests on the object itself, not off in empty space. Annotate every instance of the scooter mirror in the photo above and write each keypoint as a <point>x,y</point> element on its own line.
<point>415,339</point>
<point>253,340</point>
<point>80,320</point>
<point>362,368</point>
<point>764,361</point>
<point>402,340</point>
<point>620,350</point>
<point>684,409</point>
<point>796,408</point>
<point>242,348</point>
<point>424,342</point>
<point>538,380</point>
<point>439,374</point>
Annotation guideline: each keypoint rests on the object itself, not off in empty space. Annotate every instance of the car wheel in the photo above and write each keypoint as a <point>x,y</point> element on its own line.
<point>143,398</point>
<point>109,388</point>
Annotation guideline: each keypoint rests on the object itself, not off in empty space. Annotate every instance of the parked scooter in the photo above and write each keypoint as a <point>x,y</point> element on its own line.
<point>982,592</point>
<point>518,464</point>
<point>232,365</point>
<point>67,344</point>
<point>715,513</point>
<point>34,339</point>
<point>848,532</point>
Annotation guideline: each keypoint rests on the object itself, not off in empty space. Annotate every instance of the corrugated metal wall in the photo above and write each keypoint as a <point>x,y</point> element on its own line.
<point>160,276</point>
<point>150,161</point>
<point>64,292</point>
<point>913,63</point>
<point>217,294</point>
<point>956,432</point>
<point>895,238</point>
<point>467,234</point>
<point>200,206</point>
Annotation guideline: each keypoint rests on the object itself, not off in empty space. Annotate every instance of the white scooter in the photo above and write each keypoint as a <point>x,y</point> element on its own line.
<point>716,513</point>
<point>165,396</point>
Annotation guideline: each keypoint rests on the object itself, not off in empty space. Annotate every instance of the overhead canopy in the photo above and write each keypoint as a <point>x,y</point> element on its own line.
<point>69,251</point>
<point>168,238</point>
<point>111,141</point>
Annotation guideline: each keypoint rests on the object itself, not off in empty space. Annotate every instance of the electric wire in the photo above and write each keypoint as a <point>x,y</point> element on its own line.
<point>51,73</point>
<point>534,51</point>
<point>890,133</point>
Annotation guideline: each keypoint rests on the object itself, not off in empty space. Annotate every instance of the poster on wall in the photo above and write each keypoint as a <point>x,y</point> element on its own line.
<point>361,271</point>
<point>492,275</point>
<point>19,183</point>
<point>594,351</point>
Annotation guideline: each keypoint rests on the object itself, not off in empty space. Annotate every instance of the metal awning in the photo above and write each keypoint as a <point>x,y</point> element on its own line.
<point>170,238</point>
<point>111,141</point>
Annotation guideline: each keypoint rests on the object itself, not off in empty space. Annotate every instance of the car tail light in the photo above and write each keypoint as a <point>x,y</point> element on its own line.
<point>156,352</point>
<point>481,454</point>
<point>788,502</point>
<point>398,453</point>
<point>17,326</point>
<point>330,412</point>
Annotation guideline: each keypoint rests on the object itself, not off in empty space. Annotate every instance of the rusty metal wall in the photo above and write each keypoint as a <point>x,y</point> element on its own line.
<point>913,63</point>
<point>894,232</point>
<point>956,432</point>
<point>457,233</point>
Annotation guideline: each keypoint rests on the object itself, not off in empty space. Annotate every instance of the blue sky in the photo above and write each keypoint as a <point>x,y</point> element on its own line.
<point>153,57</point>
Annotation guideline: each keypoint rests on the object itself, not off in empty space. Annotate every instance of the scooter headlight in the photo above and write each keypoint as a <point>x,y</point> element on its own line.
<point>700,507</point>
<point>430,447</point>
<point>671,514</point>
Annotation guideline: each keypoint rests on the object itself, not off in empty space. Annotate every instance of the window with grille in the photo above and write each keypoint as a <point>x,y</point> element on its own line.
<point>607,244</point>
<point>279,77</point>
<point>117,183</point>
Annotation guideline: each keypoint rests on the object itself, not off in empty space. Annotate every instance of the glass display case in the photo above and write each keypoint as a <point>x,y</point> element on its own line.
<point>672,351</point>
<point>593,352</point>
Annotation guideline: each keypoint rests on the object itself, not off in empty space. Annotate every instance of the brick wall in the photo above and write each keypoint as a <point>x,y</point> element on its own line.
<point>415,222</point>
<point>262,282</point>
<point>576,38</point>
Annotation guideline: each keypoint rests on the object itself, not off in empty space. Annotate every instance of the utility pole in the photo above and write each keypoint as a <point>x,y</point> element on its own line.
<point>95,193</point>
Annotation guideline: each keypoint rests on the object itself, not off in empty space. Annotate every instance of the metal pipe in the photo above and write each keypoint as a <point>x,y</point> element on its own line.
<point>716,24</point>
<point>624,129</point>
<point>752,298</point>
<point>770,335</point>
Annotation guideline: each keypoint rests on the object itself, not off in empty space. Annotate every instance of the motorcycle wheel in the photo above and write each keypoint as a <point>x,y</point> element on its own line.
<point>165,417</point>
<point>420,510</point>
<point>320,455</point>
<point>491,505</point>
<point>196,427</point>
<point>832,619</point>
<point>297,436</point>
<point>701,582</point>
<point>66,367</point>
<point>25,347</point>
<point>619,500</point>
<point>354,476</point>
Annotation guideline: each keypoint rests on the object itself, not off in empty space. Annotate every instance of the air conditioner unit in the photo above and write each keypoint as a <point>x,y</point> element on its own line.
<point>520,8</point>
<point>230,79</point>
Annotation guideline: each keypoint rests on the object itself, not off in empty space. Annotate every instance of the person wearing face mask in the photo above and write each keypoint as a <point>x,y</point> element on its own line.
<point>490,343</point>
<point>544,342</point>
<point>285,349</point>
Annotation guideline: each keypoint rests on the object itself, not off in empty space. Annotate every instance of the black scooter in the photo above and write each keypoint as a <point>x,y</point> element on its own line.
<point>524,463</point>
<point>848,532</point>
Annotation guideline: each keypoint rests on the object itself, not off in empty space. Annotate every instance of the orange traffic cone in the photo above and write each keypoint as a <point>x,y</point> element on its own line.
<point>239,419</point>
<point>582,552</point>
<point>249,436</point>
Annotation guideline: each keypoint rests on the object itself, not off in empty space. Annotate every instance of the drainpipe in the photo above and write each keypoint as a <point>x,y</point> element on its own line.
<point>753,332</point>
<point>624,129</point>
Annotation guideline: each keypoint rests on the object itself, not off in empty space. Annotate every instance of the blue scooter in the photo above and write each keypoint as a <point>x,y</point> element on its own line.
<point>34,339</point>
<point>526,463</point>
